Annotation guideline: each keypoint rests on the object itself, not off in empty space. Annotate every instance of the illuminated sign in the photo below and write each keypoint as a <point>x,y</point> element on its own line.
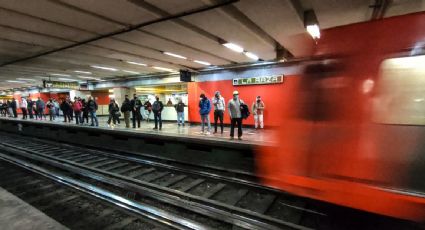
<point>277,79</point>
<point>61,85</point>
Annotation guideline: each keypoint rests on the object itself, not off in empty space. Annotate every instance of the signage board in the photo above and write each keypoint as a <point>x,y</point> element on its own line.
<point>262,80</point>
<point>61,85</point>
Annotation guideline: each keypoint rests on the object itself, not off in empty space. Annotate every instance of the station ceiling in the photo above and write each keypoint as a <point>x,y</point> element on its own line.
<point>67,39</point>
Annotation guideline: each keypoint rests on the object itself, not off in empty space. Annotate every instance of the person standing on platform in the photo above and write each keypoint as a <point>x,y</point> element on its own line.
<point>169,102</point>
<point>40,105</point>
<point>30,106</point>
<point>14,106</point>
<point>180,112</point>
<point>148,109</point>
<point>66,110</point>
<point>85,110</point>
<point>136,104</point>
<point>24,105</point>
<point>219,108</point>
<point>51,107</point>
<point>234,107</point>
<point>92,105</point>
<point>258,111</point>
<point>77,111</point>
<point>204,111</point>
<point>113,110</point>
<point>56,104</point>
<point>126,109</point>
<point>157,108</point>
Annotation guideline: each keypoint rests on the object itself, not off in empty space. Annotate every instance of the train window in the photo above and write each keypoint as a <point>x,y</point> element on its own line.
<point>400,92</point>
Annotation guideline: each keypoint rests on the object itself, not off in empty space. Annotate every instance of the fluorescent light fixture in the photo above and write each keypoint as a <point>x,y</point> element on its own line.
<point>252,56</point>
<point>60,74</point>
<point>66,79</point>
<point>88,77</point>
<point>136,63</point>
<point>162,68</point>
<point>132,72</point>
<point>84,72</point>
<point>202,62</point>
<point>314,31</point>
<point>233,47</point>
<point>103,67</point>
<point>174,55</point>
<point>25,79</point>
<point>13,81</point>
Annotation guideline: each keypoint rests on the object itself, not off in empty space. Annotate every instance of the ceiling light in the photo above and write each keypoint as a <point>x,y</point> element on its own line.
<point>162,68</point>
<point>135,63</point>
<point>85,72</point>
<point>25,79</point>
<point>233,47</point>
<point>311,24</point>
<point>104,68</point>
<point>13,81</point>
<point>202,62</point>
<point>87,77</point>
<point>60,74</point>
<point>252,56</point>
<point>174,55</point>
<point>66,79</point>
<point>132,72</point>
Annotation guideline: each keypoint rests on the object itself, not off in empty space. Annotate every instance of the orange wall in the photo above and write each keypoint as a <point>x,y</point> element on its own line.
<point>274,97</point>
<point>102,97</point>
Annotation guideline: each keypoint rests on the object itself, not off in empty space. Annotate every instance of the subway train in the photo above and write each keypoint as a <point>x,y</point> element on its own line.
<point>354,130</point>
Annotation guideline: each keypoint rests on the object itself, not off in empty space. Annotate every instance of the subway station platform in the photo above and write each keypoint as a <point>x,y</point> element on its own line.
<point>16,214</point>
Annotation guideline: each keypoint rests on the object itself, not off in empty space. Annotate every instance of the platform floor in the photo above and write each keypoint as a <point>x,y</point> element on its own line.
<point>250,135</point>
<point>16,214</point>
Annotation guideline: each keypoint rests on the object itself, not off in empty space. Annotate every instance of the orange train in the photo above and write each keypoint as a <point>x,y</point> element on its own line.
<point>355,131</point>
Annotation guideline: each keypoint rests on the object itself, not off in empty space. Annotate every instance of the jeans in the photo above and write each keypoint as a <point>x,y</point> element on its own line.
<point>147,115</point>
<point>158,119</point>
<point>180,118</point>
<point>218,115</point>
<point>93,117</point>
<point>78,118</point>
<point>205,119</point>
<point>259,120</point>
<point>232,127</point>
<point>51,114</point>
<point>40,113</point>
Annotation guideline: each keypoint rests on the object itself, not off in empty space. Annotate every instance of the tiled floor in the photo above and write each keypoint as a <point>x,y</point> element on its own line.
<point>250,136</point>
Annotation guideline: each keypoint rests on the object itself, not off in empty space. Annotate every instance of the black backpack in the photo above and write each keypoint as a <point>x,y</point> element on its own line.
<point>244,111</point>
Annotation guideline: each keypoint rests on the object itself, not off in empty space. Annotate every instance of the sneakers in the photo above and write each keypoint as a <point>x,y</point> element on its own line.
<point>208,133</point>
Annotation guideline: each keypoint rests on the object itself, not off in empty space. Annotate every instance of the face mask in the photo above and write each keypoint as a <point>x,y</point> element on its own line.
<point>258,101</point>
<point>235,96</point>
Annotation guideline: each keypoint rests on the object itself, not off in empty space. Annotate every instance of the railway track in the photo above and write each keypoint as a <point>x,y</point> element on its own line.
<point>214,197</point>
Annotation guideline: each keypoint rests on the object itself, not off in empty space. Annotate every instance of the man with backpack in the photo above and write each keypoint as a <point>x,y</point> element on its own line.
<point>40,106</point>
<point>92,105</point>
<point>157,108</point>
<point>136,104</point>
<point>238,110</point>
<point>126,109</point>
<point>180,112</point>
<point>204,111</point>
<point>77,107</point>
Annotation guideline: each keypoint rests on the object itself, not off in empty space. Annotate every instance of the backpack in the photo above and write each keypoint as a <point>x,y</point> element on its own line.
<point>244,111</point>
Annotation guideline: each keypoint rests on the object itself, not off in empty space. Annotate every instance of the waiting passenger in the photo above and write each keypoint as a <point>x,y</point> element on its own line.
<point>169,102</point>
<point>14,106</point>
<point>136,105</point>
<point>126,109</point>
<point>51,107</point>
<point>180,112</point>
<point>258,112</point>
<point>85,110</point>
<point>24,106</point>
<point>77,107</point>
<point>92,105</point>
<point>235,113</point>
<point>30,107</point>
<point>40,105</point>
<point>114,113</point>
<point>56,104</point>
<point>204,111</point>
<point>148,110</point>
<point>157,108</point>
<point>9,108</point>
<point>66,110</point>
<point>219,108</point>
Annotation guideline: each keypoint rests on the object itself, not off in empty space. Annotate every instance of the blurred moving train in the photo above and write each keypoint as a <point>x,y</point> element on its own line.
<point>355,131</point>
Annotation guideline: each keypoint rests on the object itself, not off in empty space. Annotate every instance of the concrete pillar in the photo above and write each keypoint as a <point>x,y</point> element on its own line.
<point>119,94</point>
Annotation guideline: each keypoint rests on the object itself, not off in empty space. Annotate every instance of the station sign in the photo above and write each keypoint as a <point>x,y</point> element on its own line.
<point>262,80</point>
<point>61,85</point>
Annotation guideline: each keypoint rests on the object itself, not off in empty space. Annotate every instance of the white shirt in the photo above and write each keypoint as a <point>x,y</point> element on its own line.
<point>219,103</point>
<point>24,103</point>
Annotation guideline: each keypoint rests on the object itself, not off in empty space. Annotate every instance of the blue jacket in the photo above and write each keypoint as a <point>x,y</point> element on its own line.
<point>204,106</point>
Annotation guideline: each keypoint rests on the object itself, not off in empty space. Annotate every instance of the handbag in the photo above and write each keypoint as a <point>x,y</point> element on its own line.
<point>118,114</point>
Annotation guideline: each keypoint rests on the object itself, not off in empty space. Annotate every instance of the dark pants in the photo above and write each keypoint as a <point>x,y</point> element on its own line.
<point>233,124</point>
<point>15,113</point>
<point>51,114</point>
<point>30,113</point>
<point>24,113</point>
<point>85,117</point>
<point>78,118</point>
<point>40,113</point>
<point>136,116</point>
<point>67,115</point>
<point>158,119</point>
<point>114,118</point>
<point>218,115</point>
